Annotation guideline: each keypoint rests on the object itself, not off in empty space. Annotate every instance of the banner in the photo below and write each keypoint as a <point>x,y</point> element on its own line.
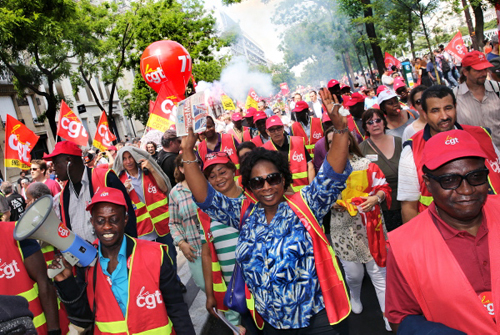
<point>284,88</point>
<point>456,47</point>
<point>227,103</point>
<point>103,137</point>
<point>151,106</point>
<point>159,118</point>
<point>70,127</point>
<point>19,143</point>
<point>390,60</point>
<point>252,99</point>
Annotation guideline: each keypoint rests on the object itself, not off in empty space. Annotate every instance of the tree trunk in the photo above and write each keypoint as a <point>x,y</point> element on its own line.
<point>51,108</point>
<point>91,88</point>
<point>468,19</point>
<point>410,34</point>
<point>479,32</point>
<point>370,31</point>
<point>348,66</point>
<point>111,119</point>
<point>433,60</point>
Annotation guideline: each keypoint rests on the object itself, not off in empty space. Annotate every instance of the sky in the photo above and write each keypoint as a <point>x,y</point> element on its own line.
<point>255,19</point>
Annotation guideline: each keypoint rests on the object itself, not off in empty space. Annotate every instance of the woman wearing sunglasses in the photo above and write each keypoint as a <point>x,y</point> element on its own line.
<point>286,261</point>
<point>355,241</point>
<point>385,151</point>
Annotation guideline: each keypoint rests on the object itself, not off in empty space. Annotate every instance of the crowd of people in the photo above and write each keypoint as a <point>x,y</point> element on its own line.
<point>279,211</point>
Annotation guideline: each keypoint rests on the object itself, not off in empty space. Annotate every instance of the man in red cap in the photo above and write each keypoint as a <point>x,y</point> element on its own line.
<point>293,148</point>
<point>356,105</point>
<point>309,128</point>
<point>259,119</point>
<point>132,288</point>
<point>82,183</point>
<point>443,267</point>
<point>439,106</point>
<point>240,133</point>
<point>478,102</point>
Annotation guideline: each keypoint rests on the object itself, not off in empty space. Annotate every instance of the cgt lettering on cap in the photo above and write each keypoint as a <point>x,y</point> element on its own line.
<point>451,140</point>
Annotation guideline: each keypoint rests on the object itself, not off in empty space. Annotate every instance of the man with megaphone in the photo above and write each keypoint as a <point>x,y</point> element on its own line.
<point>132,288</point>
<point>82,183</point>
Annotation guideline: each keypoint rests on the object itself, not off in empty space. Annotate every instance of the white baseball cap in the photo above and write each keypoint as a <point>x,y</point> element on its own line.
<point>385,95</point>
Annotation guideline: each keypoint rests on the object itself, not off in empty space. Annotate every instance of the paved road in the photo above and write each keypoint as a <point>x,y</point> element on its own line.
<point>367,323</point>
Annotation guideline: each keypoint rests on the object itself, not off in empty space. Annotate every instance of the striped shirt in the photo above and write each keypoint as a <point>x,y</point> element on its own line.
<point>183,223</point>
<point>485,113</point>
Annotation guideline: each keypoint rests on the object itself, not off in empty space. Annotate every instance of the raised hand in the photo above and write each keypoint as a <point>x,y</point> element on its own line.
<point>332,106</point>
<point>188,142</point>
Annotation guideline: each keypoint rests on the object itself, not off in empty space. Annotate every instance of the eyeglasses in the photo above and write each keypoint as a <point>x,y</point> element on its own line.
<point>453,181</point>
<point>258,182</point>
<point>213,155</point>
<point>418,102</point>
<point>275,129</point>
<point>34,169</point>
<point>371,122</point>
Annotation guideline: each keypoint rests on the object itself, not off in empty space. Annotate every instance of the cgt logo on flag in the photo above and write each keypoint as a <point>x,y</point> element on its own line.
<point>153,72</point>
<point>20,141</point>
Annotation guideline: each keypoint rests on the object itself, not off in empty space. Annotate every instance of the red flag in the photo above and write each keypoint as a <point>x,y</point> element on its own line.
<point>151,106</point>
<point>160,115</point>
<point>20,141</point>
<point>456,47</point>
<point>103,136</point>
<point>70,126</point>
<point>284,88</point>
<point>390,60</point>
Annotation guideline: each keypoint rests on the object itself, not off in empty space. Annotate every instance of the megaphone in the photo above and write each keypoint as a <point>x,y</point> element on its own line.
<point>40,222</point>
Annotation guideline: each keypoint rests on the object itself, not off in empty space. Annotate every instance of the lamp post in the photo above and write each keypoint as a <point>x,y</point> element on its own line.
<point>360,29</point>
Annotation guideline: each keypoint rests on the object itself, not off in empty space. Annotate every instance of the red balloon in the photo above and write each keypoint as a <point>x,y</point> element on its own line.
<point>166,61</point>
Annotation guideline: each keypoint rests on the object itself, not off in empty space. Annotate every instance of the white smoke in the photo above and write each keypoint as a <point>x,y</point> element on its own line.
<point>236,80</point>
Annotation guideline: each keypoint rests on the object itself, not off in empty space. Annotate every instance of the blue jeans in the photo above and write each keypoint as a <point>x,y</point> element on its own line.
<point>449,76</point>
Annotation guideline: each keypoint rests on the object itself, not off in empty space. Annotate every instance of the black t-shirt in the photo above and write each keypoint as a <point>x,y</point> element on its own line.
<point>166,160</point>
<point>285,148</point>
<point>29,247</point>
<point>17,206</point>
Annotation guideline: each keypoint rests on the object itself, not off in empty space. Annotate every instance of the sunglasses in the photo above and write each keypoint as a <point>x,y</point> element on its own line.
<point>34,169</point>
<point>372,122</point>
<point>272,179</point>
<point>418,102</point>
<point>453,181</point>
<point>213,155</point>
<point>275,129</point>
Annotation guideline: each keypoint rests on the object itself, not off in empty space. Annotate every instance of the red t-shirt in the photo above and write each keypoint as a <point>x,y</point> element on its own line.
<point>54,186</point>
<point>471,252</point>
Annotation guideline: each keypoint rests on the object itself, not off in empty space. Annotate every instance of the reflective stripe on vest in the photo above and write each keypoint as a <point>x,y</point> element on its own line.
<point>118,327</point>
<point>425,200</point>
<point>144,223</point>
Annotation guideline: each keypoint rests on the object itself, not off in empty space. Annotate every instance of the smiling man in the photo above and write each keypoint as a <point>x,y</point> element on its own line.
<point>443,266</point>
<point>439,106</point>
<point>133,287</point>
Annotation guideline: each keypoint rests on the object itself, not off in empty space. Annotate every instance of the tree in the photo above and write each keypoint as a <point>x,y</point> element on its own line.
<point>38,40</point>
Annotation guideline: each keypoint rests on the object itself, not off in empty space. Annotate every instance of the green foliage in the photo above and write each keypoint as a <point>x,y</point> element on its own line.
<point>209,71</point>
<point>281,73</point>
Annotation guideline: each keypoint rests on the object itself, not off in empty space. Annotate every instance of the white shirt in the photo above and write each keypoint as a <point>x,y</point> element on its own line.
<point>316,107</point>
<point>78,214</point>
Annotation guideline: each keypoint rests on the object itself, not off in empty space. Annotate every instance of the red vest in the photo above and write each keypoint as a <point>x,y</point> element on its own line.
<point>329,276</point>
<point>237,137</point>
<point>247,136</point>
<point>14,279</point>
<point>352,125</point>
<point>154,213</point>
<point>297,160</point>
<point>146,312</point>
<point>315,135</point>
<point>226,145</point>
<point>492,163</point>
<point>436,278</point>
<point>257,141</point>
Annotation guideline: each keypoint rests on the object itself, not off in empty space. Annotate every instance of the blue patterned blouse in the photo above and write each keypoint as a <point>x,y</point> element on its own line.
<point>277,259</point>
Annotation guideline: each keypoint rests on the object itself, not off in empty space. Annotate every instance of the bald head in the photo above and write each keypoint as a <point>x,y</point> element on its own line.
<point>37,190</point>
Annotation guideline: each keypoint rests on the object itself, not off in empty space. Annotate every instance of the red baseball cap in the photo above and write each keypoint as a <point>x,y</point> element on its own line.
<point>259,116</point>
<point>273,121</point>
<point>354,99</point>
<point>236,117</point>
<point>381,88</point>
<point>112,148</point>
<point>477,60</point>
<point>399,82</point>
<point>300,106</point>
<point>342,86</point>
<point>64,148</point>
<point>212,158</point>
<point>332,83</point>
<point>108,194</point>
<point>449,145</point>
<point>250,112</point>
